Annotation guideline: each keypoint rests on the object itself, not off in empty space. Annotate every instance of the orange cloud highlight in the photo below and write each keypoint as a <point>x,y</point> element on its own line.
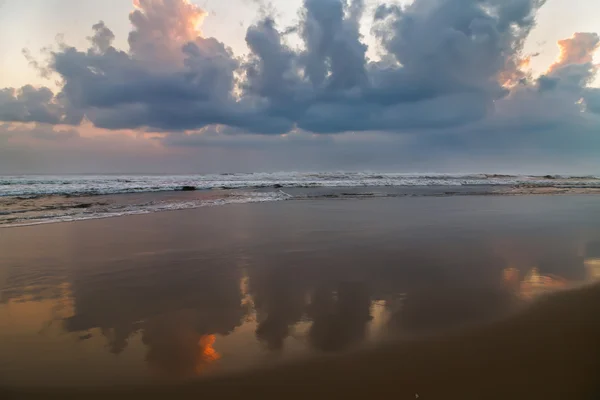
<point>162,28</point>
<point>578,49</point>
<point>515,71</point>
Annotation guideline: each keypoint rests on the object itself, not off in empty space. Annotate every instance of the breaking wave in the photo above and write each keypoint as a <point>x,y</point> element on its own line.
<point>27,200</point>
<point>33,186</point>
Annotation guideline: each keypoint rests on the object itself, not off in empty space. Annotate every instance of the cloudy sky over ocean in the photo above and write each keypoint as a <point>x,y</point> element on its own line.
<point>212,86</point>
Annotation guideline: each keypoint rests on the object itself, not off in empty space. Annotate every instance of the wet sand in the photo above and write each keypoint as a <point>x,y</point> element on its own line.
<point>549,351</point>
<point>383,297</point>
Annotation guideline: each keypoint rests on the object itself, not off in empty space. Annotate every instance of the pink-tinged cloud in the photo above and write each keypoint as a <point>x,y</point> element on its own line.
<point>161,28</point>
<point>578,49</point>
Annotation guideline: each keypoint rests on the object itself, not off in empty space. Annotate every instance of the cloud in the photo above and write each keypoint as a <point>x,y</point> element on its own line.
<point>102,38</point>
<point>29,104</point>
<point>171,78</point>
<point>335,56</point>
<point>578,49</point>
<point>592,100</point>
<point>570,76</point>
<point>446,57</point>
<point>444,63</point>
<point>161,28</point>
<point>452,76</point>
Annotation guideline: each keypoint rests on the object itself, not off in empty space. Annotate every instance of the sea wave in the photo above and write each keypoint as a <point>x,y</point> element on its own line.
<point>86,211</point>
<point>35,186</point>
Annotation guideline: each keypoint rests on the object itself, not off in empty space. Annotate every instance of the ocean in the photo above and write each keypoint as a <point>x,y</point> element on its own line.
<point>26,200</point>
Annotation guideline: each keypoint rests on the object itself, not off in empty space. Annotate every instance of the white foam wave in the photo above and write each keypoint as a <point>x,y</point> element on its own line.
<point>73,215</point>
<point>31,186</point>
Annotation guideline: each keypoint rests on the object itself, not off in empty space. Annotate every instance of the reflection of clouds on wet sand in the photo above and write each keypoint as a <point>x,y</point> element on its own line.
<point>592,260</point>
<point>532,283</point>
<point>557,265</point>
<point>593,267</point>
<point>31,283</point>
<point>124,298</point>
<point>178,309</point>
<point>175,348</point>
<point>280,301</point>
<point>340,316</point>
<point>337,313</point>
<point>535,284</point>
<point>438,310</point>
<point>347,302</point>
<point>39,310</point>
<point>177,297</point>
<point>572,270</point>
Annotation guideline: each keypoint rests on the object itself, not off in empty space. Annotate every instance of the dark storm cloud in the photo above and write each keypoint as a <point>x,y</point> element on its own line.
<point>445,61</point>
<point>450,71</point>
<point>102,38</point>
<point>115,90</point>
<point>447,58</point>
<point>592,100</point>
<point>570,76</point>
<point>443,65</point>
<point>334,58</point>
<point>29,104</point>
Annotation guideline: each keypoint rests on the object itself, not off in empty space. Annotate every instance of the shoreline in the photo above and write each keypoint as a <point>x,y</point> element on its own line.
<point>34,211</point>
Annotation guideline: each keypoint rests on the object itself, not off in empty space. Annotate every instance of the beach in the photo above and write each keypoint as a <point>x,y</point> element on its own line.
<point>409,294</point>
<point>308,199</point>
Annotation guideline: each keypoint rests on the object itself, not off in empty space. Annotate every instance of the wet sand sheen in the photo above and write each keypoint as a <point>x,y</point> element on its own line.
<point>170,297</point>
<point>547,352</point>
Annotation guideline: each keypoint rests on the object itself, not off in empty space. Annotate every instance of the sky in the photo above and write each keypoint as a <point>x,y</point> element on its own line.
<point>177,86</point>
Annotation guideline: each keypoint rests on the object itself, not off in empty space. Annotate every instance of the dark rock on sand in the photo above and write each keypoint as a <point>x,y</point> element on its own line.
<point>83,205</point>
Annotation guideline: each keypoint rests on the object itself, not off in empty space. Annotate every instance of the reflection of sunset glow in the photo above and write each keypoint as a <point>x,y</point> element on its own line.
<point>533,284</point>
<point>247,300</point>
<point>207,354</point>
<point>175,347</point>
<point>511,276</point>
<point>36,306</point>
<point>593,267</point>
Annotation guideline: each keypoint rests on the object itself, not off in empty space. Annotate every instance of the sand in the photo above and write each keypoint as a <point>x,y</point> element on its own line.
<point>375,298</point>
<point>549,351</point>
